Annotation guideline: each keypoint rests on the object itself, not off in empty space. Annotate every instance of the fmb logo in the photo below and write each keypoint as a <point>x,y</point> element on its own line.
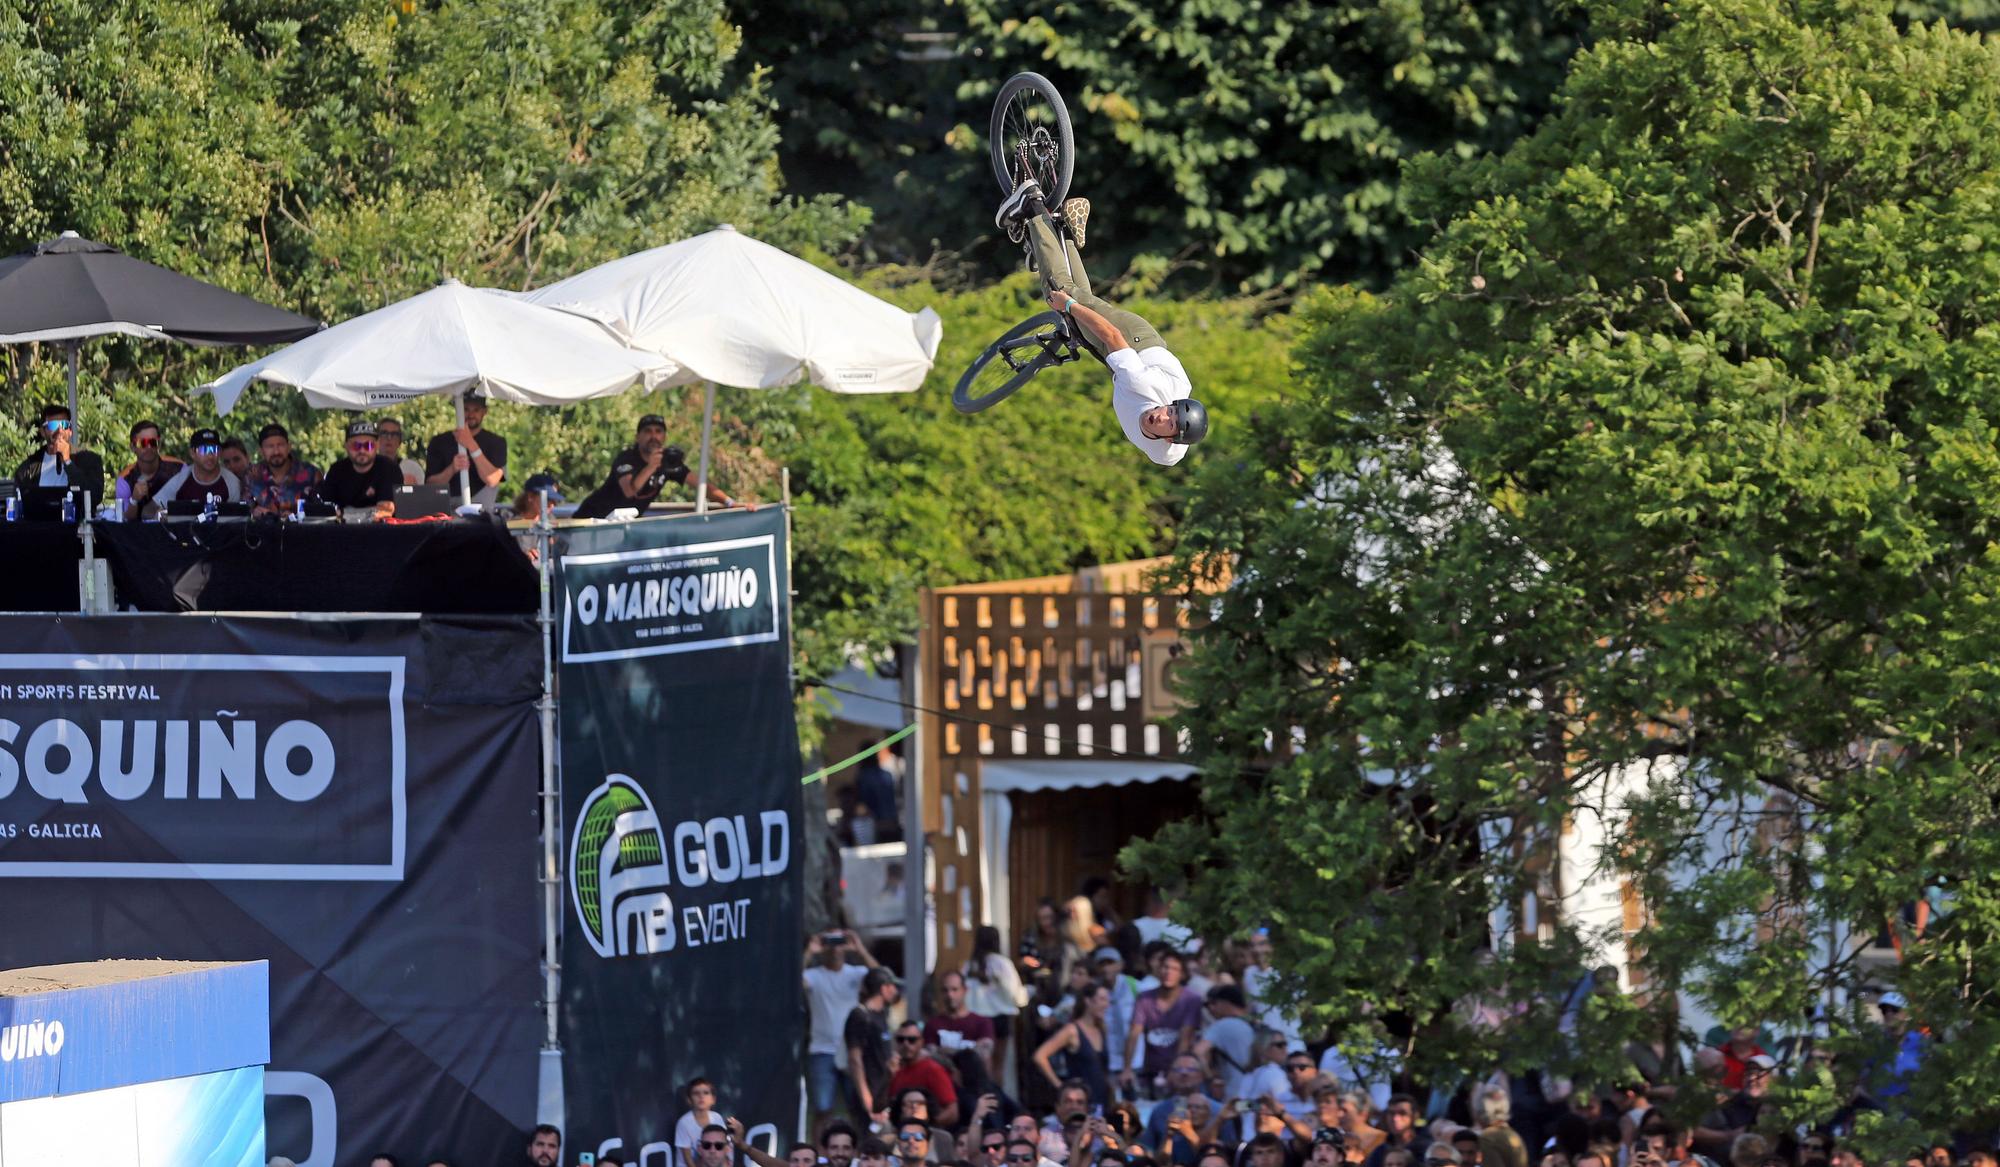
<point>618,872</point>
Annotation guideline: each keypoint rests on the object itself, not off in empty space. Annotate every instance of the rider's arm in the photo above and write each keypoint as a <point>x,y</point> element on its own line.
<point>1105,333</point>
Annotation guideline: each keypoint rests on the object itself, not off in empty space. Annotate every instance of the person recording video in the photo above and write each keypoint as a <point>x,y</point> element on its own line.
<point>640,473</point>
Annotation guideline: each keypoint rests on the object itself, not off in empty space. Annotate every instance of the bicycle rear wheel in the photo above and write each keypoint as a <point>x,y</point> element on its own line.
<point>1039,342</point>
<point>1028,110</point>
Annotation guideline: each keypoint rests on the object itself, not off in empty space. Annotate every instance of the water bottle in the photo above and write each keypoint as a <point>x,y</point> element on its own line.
<point>69,507</point>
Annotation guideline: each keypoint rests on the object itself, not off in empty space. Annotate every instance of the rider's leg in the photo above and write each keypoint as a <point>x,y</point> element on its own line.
<point>1062,270</point>
<point>1060,265</point>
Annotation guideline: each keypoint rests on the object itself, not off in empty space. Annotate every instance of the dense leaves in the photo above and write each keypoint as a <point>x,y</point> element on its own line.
<point>335,157</point>
<point>1658,498</point>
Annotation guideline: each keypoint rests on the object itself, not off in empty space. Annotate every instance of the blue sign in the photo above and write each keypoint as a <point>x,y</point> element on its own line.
<point>129,1021</point>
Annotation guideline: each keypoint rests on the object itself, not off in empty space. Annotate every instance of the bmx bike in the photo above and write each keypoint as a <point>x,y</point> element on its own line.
<point>1029,137</point>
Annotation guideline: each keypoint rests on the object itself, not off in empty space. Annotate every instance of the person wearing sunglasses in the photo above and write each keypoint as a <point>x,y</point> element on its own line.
<point>363,480</point>
<point>913,1143</point>
<point>204,476</point>
<point>139,485</point>
<point>389,448</point>
<point>716,1148</point>
<point>58,462</point>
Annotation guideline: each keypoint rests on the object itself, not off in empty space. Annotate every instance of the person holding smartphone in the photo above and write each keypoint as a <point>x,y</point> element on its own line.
<point>833,989</point>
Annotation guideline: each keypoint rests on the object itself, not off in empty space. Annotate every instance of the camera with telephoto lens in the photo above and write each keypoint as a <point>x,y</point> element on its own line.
<point>673,459</point>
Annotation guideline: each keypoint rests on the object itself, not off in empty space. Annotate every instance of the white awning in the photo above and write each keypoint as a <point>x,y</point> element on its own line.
<point>1011,776</point>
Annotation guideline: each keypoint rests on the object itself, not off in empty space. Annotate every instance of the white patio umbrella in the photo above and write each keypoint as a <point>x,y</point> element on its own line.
<point>729,310</point>
<point>451,340</point>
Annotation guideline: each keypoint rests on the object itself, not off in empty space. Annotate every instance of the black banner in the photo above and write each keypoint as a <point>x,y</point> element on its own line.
<point>681,806</point>
<point>353,801</point>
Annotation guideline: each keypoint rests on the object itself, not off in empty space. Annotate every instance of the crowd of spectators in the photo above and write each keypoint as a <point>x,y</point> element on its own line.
<point>1138,1045</point>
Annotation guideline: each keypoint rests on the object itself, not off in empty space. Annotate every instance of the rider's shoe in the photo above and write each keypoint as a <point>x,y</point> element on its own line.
<point>1076,213</point>
<point>1015,209</point>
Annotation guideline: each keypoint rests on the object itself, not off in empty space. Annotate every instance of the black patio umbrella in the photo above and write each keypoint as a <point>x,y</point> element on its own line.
<point>70,289</point>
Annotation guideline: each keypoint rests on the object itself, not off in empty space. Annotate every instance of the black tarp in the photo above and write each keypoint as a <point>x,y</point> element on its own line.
<point>681,812</point>
<point>470,568</point>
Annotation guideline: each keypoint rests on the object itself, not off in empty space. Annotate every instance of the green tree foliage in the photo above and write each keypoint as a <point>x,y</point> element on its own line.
<point>1661,495</point>
<point>878,100</point>
<point>333,157</point>
<point>1262,138</point>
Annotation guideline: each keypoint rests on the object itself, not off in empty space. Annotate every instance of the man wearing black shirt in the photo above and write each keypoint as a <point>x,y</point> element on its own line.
<point>59,462</point>
<point>469,448</point>
<point>639,474</point>
<point>361,480</point>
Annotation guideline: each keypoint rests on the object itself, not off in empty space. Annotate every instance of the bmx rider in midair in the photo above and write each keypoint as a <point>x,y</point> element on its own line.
<point>1150,392</point>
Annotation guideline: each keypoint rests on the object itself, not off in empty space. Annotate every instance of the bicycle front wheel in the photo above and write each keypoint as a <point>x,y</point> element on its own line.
<point>1041,341</point>
<point>1028,111</point>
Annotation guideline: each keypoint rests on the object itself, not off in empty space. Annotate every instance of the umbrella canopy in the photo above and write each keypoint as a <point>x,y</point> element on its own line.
<point>71,288</point>
<point>447,341</point>
<point>732,311</point>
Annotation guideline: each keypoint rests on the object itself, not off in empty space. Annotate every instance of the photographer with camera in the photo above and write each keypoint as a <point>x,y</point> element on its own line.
<point>640,473</point>
<point>833,989</point>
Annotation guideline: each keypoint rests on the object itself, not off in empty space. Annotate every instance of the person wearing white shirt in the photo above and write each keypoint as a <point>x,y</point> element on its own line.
<point>833,989</point>
<point>1150,393</point>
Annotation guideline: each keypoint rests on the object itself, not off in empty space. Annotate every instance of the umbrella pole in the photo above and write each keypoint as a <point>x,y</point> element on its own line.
<point>464,476</point>
<point>73,346</point>
<point>707,437</point>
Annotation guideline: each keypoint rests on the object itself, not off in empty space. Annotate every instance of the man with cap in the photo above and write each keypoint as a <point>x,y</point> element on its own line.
<point>866,1036</point>
<point>471,448</point>
<point>363,480</point>
<point>204,476</point>
<point>279,481</point>
<point>58,462</point>
<point>1329,1147</point>
<point>640,473</point>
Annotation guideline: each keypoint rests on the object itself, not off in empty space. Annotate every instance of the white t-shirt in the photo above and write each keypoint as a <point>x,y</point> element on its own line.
<point>687,1133</point>
<point>1232,1036</point>
<point>1142,380</point>
<point>53,473</point>
<point>1271,1078</point>
<point>830,996</point>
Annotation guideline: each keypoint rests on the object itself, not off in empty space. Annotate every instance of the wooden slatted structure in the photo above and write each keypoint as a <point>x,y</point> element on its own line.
<point>1036,669</point>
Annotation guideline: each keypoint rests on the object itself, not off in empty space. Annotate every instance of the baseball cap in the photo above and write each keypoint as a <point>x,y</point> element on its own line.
<point>274,430</point>
<point>1892,1000</point>
<point>205,437</point>
<point>1761,1061</point>
<point>478,395</point>
<point>1442,1152</point>
<point>652,419</point>
<point>876,978</point>
<point>1330,1136</point>
<point>1106,953</point>
<point>537,483</point>
<point>360,427</point>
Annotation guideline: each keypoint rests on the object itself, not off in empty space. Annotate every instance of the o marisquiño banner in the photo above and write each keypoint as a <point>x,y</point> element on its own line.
<point>681,806</point>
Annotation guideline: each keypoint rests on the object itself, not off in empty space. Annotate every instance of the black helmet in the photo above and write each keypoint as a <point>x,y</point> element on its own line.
<point>1190,421</point>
